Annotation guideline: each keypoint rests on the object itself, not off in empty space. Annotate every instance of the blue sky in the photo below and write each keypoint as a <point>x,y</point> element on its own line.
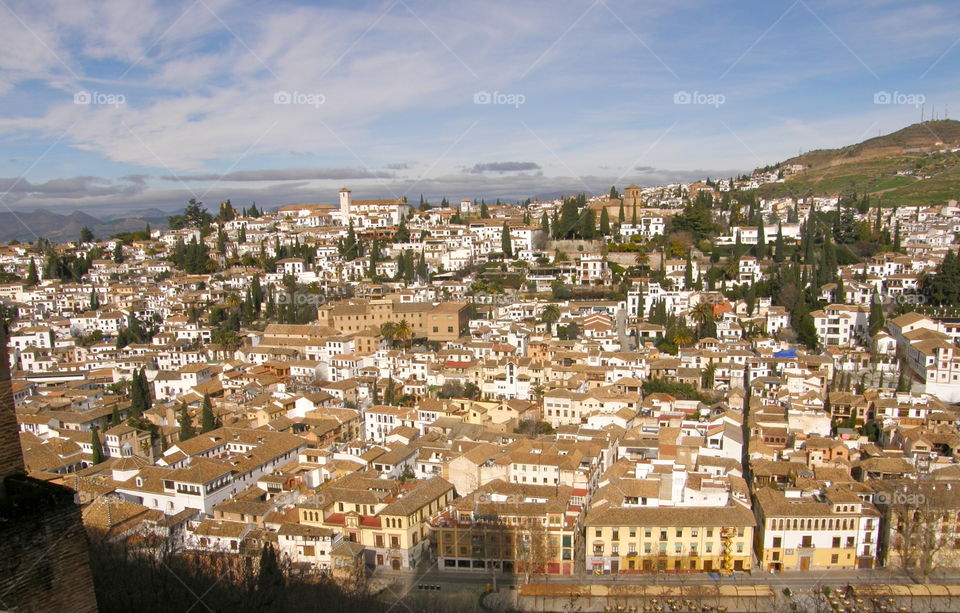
<point>122,106</point>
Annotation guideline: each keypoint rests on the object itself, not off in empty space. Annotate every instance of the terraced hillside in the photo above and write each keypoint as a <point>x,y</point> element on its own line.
<point>913,166</point>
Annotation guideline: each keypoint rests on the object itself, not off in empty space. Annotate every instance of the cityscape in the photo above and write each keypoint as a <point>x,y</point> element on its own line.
<point>384,317</point>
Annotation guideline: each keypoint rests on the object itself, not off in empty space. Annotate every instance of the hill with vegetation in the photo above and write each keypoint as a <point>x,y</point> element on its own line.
<point>912,166</point>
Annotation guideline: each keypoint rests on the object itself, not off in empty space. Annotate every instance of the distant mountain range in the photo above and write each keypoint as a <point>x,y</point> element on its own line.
<point>27,226</point>
<point>912,166</point>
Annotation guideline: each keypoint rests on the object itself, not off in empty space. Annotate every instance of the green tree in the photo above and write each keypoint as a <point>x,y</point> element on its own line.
<point>32,278</point>
<point>187,430</point>
<point>604,222</point>
<point>404,332</point>
<point>779,246</point>
<point>550,315</point>
<point>208,421</point>
<point>137,405</point>
<point>484,211</point>
<point>114,417</point>
<point>876,315</point>
<point>761,242</point>
<point>804,326</point>
<point>506,243</point>
<point>402,235</point>
<point>614,194</point>
<point>226,213</point>
<point>118,253</point>
<point>97,446</point>
<point>86,235</point>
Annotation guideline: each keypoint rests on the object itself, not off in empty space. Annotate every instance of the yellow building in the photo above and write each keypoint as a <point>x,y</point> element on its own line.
<point>620,539</point>
<point>828,530</point>
<point>442,322</point>
<point>389,518</point>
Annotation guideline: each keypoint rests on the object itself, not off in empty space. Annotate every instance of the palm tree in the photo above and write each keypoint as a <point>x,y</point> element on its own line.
<point>403,332</point>
<point>708,376</point>
<point>550,314</point>
<point>682,337</point>
<point>701,315</point>
<point>388,330</point>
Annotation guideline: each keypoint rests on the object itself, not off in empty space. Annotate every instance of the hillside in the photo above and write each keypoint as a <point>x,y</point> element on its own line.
<point>921,153</point>
<point>27,226</point>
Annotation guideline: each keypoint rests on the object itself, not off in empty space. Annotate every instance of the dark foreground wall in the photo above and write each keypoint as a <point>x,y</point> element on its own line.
<point>44,561</point>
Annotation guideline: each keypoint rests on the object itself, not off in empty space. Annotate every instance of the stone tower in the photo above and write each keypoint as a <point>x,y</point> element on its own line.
<point>45,565</point>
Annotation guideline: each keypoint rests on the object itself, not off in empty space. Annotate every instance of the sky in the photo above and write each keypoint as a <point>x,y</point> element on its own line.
<point>120,107</point>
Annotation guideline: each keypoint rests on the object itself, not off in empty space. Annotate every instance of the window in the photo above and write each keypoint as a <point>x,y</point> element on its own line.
<point>835,558</point>
<point>836,541</point>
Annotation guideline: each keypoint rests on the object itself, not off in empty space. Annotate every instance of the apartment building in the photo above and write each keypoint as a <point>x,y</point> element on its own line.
<point>833,529</point>
<point>389,518</point>
<point>634,539</point>
<point>510,528</point>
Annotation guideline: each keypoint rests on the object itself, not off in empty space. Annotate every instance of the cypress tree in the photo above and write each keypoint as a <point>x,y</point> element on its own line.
<point>506,243</point>
<point>207,421</point>
<point>146,400</point>
<point>604,222</point>
<point>97,446</point>
<point>778,254</point>
<point>137,406</point>
<point>876,315</point>
<point>187,431</point>
<point>761,242</point>
<point>32,278</point>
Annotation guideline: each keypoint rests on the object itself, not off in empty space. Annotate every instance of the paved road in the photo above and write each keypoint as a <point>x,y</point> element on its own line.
<point>464,580</point>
